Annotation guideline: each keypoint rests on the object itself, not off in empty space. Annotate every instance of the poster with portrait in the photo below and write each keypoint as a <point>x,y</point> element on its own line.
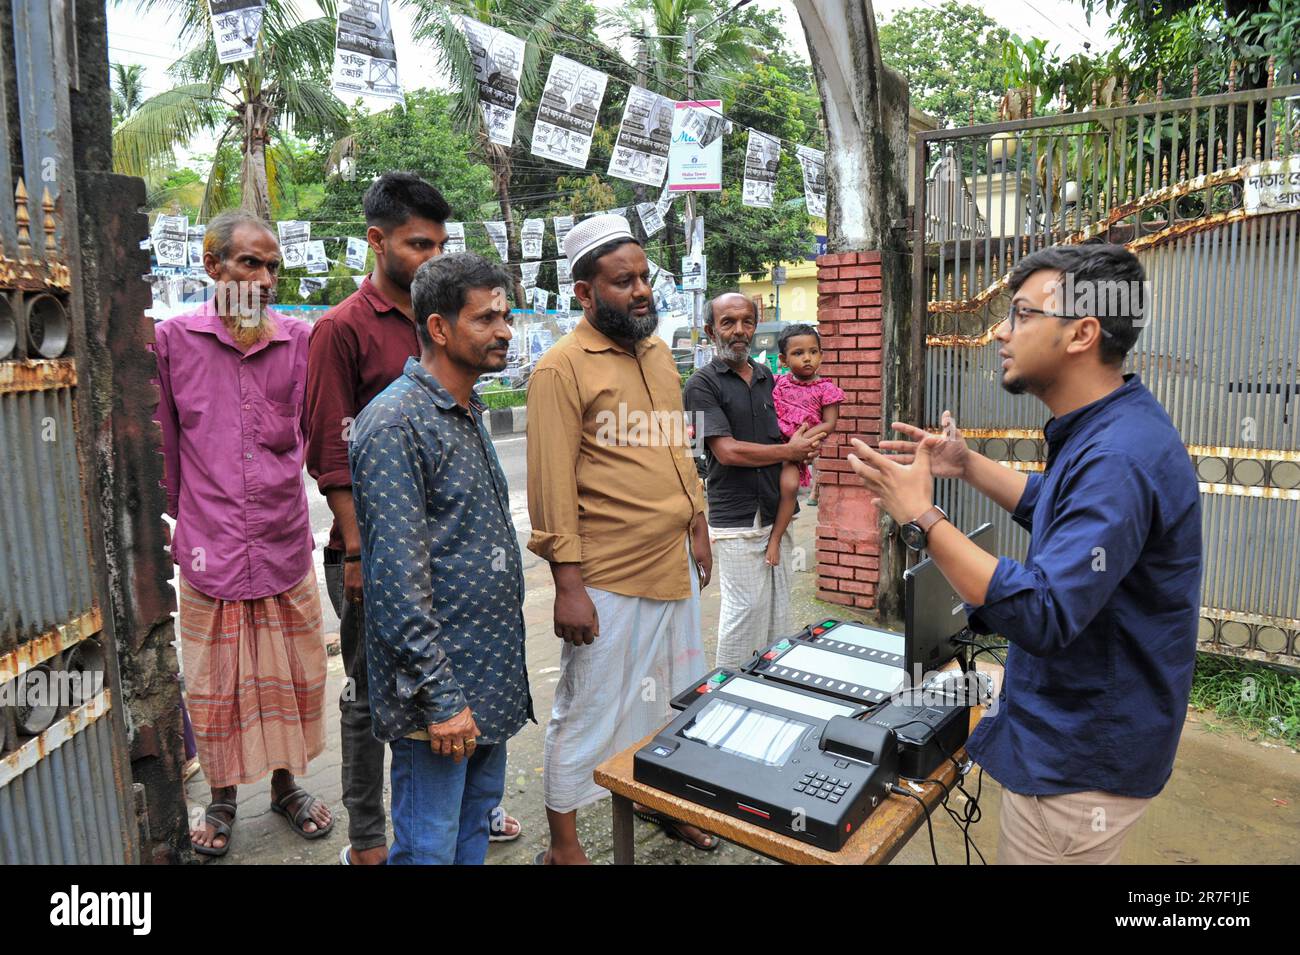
<point>695,156</point>
<point>813,163</point>
<point>194,239</point>
<point>317,262</point>
<point>455,238</point>
<point>529,272</point>
<point>497,233</point>
<point>566,116</point>
<point>365,57</point>
<point>641,150</point>
<point>171,240</point>
<point>530,238</point>
<point>563,225</point>
<point>541,299</point>
<point>762,159</point>
<point>355,257</point>
<point>294,236</point>
<point>651,221</point>
<point>498,63</point>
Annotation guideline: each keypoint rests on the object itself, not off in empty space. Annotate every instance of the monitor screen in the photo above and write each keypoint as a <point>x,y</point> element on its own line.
<point>842,668</point>
<point>746,732</point>
<point>933,613</point>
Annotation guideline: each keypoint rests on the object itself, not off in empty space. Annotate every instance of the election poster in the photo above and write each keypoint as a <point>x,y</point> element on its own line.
<point>497,233</point>
<point>498,63</point>
<point>813,163</point>
<point>294,236</point>
<point>171,236</point>
<point>356,255</point>
<point>365,58</point>
<point>235,27</point>
<point>651,220</point>
<point>317,261</point>
<point>455,238</point>
<point>762,159</point>
<point>566,116</point>
<point>562,226</point>
<point>530,238</point>
<point>641,150</point>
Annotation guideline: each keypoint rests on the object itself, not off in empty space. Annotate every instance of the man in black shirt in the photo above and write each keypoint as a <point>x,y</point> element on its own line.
<point>730,403</point>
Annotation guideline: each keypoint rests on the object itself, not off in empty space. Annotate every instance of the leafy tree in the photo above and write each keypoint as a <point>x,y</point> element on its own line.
<point>254,103</point>
<point>952,58</point>
<point>419,137</point>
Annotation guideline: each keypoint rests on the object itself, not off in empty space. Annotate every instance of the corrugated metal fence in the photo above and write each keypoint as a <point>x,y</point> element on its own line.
<point>62,798</point>
<point>1180,184</point>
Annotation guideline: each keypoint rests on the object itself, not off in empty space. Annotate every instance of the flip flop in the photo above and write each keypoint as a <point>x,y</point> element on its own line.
<point>219,828</point>
<point>499,834</point>
<point>298,819</point>
<point>673,830</point>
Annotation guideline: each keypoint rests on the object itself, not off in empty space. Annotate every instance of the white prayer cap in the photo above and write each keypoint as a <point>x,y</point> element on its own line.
<point>589,234</point>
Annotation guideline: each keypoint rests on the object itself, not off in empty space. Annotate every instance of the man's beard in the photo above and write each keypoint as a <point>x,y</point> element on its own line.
<point>398,276</point>
<point>250,329</point>
<point>1015,387</point>
<point>624,325</point>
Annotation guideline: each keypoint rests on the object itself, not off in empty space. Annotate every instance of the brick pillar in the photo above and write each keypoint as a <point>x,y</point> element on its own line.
<point>848,532</point>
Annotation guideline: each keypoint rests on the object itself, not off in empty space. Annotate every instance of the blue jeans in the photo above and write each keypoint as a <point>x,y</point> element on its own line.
<point>440,807</point>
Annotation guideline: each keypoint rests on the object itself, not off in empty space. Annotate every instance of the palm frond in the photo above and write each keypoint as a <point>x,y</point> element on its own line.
<point>145,141</point>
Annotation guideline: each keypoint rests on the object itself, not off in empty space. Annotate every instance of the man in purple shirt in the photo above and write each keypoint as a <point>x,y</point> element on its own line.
<point>231,378</point>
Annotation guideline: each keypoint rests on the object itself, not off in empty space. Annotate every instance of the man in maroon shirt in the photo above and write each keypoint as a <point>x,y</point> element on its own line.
<point>357,349</point>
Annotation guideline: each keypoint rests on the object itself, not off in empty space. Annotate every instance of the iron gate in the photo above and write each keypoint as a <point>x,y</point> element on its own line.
<point>1178,183</point>
<point>63,779</point>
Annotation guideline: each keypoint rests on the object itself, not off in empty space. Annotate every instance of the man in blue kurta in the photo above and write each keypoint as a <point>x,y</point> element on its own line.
<point>1101,616</point>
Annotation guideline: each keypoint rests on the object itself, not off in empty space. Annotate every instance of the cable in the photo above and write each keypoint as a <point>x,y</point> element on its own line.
<point>925,809</point>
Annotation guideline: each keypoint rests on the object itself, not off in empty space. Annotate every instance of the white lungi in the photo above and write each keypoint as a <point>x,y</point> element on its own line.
<point>755,597</point>
<point>616,690</point>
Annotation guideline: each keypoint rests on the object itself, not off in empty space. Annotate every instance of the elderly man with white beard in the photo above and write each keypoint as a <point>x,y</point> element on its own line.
<point>231,378</point>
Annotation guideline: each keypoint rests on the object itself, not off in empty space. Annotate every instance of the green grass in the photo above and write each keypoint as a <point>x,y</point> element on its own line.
<point>1261,699</point>
<point>497,395</point>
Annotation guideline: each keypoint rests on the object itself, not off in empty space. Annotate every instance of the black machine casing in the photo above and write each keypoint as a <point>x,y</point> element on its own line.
<point>930,727</point>
<point>839,770</point>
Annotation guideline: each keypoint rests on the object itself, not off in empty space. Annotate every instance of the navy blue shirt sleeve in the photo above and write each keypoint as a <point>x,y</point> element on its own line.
<point>1091,543</point>
<point>388,485</point>
<point>1024,512</point>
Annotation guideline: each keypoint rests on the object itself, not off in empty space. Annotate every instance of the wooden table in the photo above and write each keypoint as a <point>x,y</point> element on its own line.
<point>879,839</point>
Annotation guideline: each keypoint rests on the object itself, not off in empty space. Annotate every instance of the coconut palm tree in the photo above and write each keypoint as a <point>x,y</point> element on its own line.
<point>126,90</point>
<point>251,104</point>
<point>720,48</point>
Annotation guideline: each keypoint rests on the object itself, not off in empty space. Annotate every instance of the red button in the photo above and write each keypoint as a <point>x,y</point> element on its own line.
<point>770,655</point>
<point>702,688</point>
<point>818,631</point>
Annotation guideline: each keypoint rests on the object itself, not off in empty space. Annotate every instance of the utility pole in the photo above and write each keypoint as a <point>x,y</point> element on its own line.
<point>697,296</point>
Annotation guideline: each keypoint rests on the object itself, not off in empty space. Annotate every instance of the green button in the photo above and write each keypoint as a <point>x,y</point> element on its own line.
<point>783,645</point>
<point>827,624</point>
<point>718,678</point>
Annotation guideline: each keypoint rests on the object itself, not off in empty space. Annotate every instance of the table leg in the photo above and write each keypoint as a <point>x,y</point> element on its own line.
<point>623,850</point>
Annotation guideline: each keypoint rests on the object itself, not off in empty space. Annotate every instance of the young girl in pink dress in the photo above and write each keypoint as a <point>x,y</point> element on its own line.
<point>801,398</point>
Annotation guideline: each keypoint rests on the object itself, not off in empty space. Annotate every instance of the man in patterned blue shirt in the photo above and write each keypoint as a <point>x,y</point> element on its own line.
<point>442,570</point>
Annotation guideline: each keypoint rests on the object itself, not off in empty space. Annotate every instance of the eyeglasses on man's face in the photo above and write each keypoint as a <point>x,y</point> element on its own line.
<point>1018,312</point>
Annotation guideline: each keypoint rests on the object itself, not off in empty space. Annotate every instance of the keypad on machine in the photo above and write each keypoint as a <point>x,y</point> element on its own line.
<point>822,786</point>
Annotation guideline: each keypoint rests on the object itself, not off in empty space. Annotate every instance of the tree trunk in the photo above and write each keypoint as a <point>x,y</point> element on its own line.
<point>256,195</point>
<point>499,160</point>
<point>865,106</point>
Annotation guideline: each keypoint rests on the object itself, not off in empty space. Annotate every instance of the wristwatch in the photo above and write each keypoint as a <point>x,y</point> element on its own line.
<point>915,533</point>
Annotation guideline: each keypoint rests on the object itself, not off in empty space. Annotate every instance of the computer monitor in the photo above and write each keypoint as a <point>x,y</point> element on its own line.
<point>933,614</point>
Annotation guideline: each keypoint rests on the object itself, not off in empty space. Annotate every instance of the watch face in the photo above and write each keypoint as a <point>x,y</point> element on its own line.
<point>913,536</point>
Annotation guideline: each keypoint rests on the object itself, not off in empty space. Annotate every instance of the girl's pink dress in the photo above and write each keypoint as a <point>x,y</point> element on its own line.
<point>800,403</point>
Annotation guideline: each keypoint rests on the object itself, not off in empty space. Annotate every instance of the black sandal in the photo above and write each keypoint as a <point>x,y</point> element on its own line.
<point>219,828</point>
<point>303,815</point>
<point>673,829</point>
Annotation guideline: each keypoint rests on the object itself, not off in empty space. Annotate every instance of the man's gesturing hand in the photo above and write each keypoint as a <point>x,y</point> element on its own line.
<point>948,451</point>
<point>803,449</point>
<point>906,491</point>
<point>455,737</point>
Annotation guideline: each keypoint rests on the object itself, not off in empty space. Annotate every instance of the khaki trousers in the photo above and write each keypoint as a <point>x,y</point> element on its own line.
<point>1087,828</point>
